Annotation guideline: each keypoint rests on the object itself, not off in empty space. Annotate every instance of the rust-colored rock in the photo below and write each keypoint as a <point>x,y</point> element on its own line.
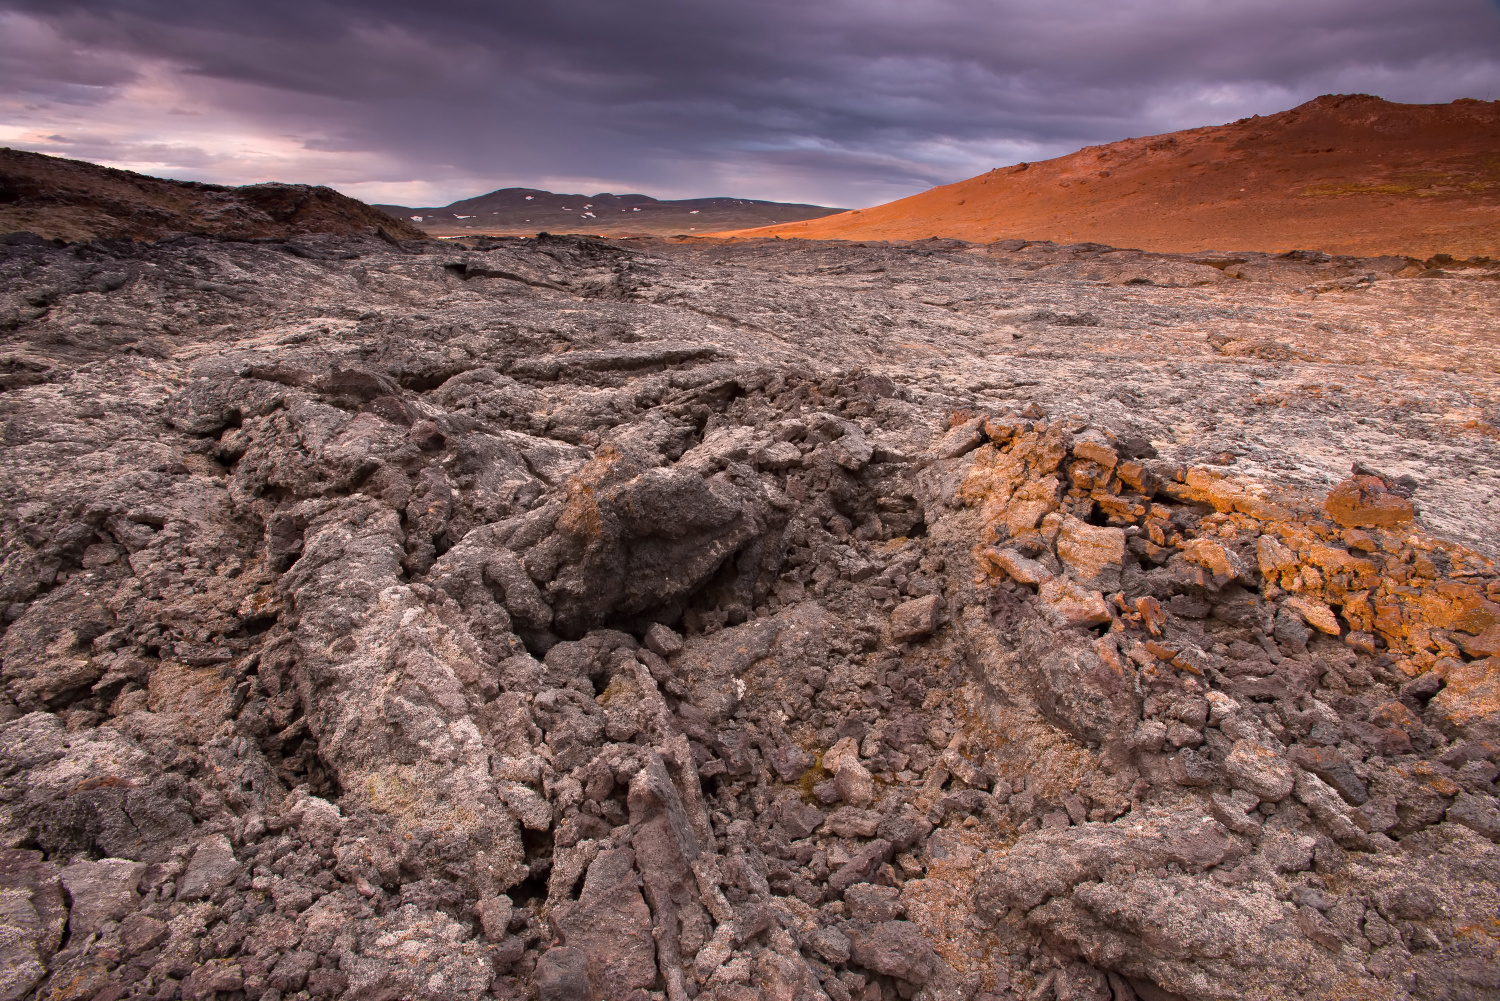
<point>1486,644</point>
<point>1070,604</point>
<point>1315,614</point>
<point>1471,694</point>
<point>1017,567</point>
<point>1213,557</point>
<point>1092,555</point>
<point>1365,502</point>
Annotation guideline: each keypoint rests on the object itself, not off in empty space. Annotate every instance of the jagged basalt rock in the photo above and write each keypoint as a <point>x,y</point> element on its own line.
<point>598,630</point>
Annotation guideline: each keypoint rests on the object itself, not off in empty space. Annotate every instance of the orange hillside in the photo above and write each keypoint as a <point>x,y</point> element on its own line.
<point>1349,174</point>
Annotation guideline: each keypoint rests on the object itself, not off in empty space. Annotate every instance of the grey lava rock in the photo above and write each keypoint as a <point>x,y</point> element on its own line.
<point>576,619</point>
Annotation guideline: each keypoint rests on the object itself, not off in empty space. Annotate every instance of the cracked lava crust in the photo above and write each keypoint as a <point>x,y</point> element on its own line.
<point>567,619</point>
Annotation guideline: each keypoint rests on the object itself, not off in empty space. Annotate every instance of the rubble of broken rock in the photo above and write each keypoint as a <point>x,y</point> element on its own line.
<point>566,619</point>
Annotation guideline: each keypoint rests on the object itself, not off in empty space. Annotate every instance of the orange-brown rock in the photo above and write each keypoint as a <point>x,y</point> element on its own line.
<point>1315,614</point>
<point>1364,502</point>
<point>1471,693</point>
<point>1068,604</point>
<point>1213,557</point>
<point>1486,644</point>
<point>1275,559</point>
<point>1385,592</point>
<point>1228,494</point>
<point>1090,553</point>
<point>1015,566</point>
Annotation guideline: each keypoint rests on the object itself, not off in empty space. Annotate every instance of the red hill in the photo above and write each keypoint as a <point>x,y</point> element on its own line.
<point>1349,174</point>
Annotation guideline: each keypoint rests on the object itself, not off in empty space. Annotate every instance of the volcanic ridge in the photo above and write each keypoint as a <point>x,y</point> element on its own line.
<point>78,202</point>
<point>1348,174</point>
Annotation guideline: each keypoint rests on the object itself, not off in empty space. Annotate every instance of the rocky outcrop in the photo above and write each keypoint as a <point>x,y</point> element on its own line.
<point>527,633</point>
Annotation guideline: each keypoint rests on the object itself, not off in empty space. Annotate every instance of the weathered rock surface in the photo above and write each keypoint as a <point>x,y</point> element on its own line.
<point>564,619</point>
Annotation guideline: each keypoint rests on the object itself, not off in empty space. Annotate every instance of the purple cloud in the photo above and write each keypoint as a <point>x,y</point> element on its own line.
<point>845,102</point>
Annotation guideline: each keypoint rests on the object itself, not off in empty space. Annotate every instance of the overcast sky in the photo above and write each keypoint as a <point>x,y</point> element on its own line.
<point>840,102</point>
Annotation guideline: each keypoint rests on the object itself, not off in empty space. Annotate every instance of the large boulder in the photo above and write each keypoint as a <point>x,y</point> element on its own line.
<point>1074,687</point>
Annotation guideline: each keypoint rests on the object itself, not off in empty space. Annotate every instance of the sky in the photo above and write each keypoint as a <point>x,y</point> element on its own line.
<point>835,102</point>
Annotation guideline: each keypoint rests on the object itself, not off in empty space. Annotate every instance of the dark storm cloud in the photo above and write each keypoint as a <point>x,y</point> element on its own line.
<point>841,101</point>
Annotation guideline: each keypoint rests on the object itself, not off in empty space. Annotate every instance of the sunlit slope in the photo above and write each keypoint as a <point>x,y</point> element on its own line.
<point>1347,174</point>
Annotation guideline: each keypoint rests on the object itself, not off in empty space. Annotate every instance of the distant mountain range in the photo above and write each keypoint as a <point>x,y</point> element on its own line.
<point>1346,174</point>
<point>527,211</point>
